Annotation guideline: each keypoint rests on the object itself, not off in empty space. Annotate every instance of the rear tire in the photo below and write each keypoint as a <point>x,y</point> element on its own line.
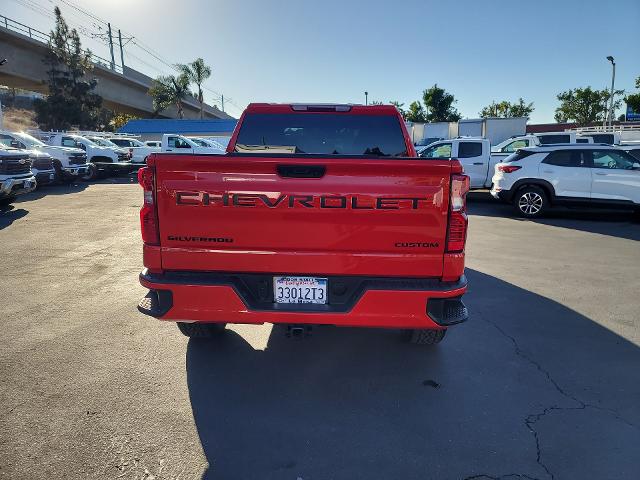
<point>425,337</point>
<point>531,201</point>
<point>201,330</point>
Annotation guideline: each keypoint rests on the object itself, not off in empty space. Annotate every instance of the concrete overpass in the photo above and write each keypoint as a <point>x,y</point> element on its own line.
<point>122,90</point>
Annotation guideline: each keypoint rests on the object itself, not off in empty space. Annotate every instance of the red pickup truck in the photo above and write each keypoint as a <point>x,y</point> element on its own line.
<point>316,214</point>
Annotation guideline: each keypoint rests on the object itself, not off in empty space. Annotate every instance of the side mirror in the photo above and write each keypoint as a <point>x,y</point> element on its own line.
<point>82,146</point>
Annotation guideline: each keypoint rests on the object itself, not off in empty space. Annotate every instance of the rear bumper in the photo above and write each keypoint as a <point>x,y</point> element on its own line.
<point>353,301</point>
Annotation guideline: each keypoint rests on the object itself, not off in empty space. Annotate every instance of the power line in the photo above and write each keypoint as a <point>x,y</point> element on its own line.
<point>102,37</point>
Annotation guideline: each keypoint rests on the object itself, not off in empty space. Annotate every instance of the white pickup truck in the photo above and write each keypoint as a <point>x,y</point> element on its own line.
<point>473,153</point>
<point>103,160</point>
<point>16,176</point>
<point>180,144</point>
<point>139,151</point>
<point>68,162</point>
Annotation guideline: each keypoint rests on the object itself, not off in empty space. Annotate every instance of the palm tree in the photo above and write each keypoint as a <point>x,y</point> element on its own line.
<point>197,72</point>
<point>168,90</point>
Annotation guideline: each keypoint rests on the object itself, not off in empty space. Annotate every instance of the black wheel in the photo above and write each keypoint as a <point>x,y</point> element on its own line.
<point>92,173</point>
<point>531,201</point>
<point>425,337</point>
<point>201,330</point>
<point>6,201</point>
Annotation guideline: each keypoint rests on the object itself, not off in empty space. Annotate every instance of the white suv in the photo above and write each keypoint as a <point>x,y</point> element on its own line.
<point>591,175</point>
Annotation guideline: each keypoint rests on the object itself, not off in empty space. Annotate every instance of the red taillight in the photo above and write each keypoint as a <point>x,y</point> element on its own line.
<point>148,212</point>
<point>508,168</point>
<point>457,228</point>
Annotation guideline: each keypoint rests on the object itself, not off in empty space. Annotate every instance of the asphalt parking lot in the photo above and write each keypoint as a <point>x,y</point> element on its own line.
<point>543,382</point>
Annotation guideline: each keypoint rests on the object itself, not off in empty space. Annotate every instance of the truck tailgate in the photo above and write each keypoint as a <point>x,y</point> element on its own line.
<point>302,215</point>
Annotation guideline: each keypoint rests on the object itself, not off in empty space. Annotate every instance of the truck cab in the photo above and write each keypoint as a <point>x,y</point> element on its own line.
<point>473,153</point>
<point>180,144</point>
<point>68,162</point>
<point>138,150</point>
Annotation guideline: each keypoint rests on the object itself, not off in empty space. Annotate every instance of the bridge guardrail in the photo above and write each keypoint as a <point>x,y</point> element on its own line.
<point>34,34</point>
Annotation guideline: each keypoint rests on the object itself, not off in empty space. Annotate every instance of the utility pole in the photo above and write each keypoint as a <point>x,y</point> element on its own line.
<point>113,60</point>
<point>121,50</point>
<point>222,101</point>
<point>366,98</point>
<point>613,80</point>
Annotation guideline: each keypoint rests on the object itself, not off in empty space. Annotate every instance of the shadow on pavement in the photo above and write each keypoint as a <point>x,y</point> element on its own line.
<point>74,187</point>
<point>526,387</point>
<point>615,223</point>
<point>9,214</point>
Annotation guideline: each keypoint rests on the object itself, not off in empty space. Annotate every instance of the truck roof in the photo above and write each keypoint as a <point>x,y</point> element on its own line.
<point>354,109</point>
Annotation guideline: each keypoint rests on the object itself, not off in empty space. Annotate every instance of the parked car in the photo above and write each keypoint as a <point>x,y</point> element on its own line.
<point>180,144</point>
<point>533,140</point>
<point>346,227</point>
<point>69,163</point>
<point>633,149</point>
<point>219,143</point>
<point>42,167</point>
<point>102,160</point>
<point>592,175</point>
<point>610,138</point>
<point>41,164</point>
<point>16,177</point>
<point>138,150</point>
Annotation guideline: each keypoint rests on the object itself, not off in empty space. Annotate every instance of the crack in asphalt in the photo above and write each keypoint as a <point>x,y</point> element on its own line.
<point>532,419</point>
<point>501,477</point>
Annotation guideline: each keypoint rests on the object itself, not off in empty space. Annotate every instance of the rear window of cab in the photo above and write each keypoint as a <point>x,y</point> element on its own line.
<point>321,133</point>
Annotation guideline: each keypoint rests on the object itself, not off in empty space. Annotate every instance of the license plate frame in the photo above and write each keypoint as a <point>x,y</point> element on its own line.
<point>300,290</point>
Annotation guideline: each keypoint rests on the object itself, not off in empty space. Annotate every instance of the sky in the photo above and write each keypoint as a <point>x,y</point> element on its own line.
<point>332,51</point>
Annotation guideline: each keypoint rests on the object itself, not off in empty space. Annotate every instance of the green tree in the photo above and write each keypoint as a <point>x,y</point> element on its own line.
<point>585,105</point>
<point>633,100</point>
<point>439,105</point>
<point>119,120</point>
<point>197,72</point>
<point>415,113</point>
<point>506,109</point>
<point>400,108</point>
<point>375,102</point>
<point>169,90</point>
<point>71,100</point>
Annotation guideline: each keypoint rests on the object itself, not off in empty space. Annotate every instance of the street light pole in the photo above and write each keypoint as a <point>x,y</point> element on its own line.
<point>366,98</point>
<point>613,80</point>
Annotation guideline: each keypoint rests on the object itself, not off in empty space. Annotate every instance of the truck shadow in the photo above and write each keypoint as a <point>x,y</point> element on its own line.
<point>10,214</point>
<point>615,223</point>
<point>74,187</point>
<point>357,403</point>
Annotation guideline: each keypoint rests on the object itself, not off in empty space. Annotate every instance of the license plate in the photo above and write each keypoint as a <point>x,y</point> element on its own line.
<point>27,184</point>
<point>300,290</point>
<point>52,176</point>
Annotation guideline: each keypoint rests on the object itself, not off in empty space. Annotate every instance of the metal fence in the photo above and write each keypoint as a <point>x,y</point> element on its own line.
<point>39,36</point>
